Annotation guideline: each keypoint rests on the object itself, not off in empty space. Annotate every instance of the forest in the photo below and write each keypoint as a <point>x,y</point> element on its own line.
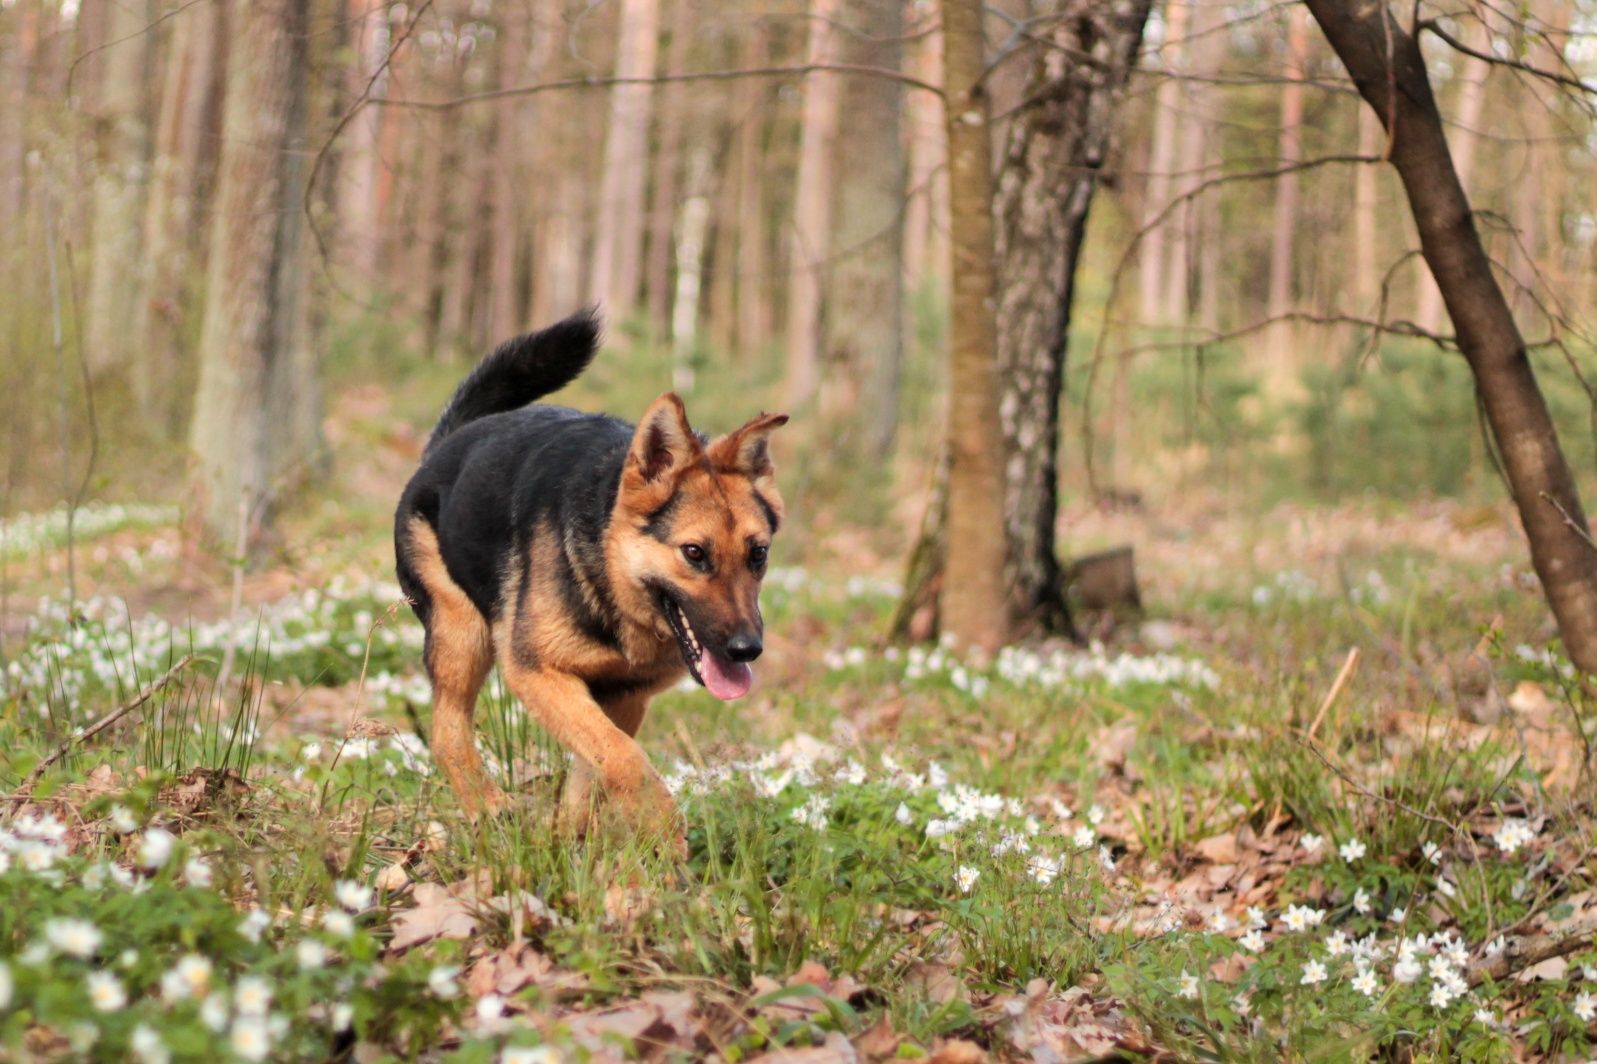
<point>1158,430</point>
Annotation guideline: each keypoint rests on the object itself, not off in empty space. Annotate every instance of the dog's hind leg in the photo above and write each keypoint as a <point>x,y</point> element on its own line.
<point>459,654</point>
<point>577,799</point>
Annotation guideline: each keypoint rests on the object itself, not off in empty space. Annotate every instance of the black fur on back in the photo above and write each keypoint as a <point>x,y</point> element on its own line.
<point>521,370</point>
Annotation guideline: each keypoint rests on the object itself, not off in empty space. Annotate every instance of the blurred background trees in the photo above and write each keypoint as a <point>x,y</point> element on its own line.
<point>1198,284</point>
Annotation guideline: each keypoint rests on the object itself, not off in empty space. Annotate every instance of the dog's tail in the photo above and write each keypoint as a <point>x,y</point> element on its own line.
<point>521,370</point>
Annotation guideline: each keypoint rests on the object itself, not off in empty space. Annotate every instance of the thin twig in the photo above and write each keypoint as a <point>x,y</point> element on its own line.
<point>1531,952</point>
<point>100,725</point>
<point>1314,749</point>
<point>1574,525</point>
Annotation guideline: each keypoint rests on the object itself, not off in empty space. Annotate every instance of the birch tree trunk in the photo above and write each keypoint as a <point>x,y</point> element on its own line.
<point>1200,59</point>
<point>926,208</point>
<point>1057,148</point>
<point>505,183</point>
<point>1389,69</point>
<point>252,344</point>
<point>618,236</point>
<point>812,210</point>
<point>971,603</point>
<point>753,234</point>
<point>361,236</point>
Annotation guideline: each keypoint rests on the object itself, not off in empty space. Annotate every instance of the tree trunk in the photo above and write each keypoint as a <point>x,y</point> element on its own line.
<point>1151,279</point>
<point>1365,284</point>
<point>244,440</point>
<point>1387,66</point>
<point>618,240</point>
<point>173,211</point>
<point>812,210</point>
<point>1290,151</point>
<point>1057,147</point>
<point>1200,59</point>
<point>972,605</point>
<point>506,180</point>
<point>121,176</point>
<point>865,305</point>
<point>359,231</point>
<point>754,283</point>
<point>667,172</point>
<point>1472,75</point>
<point>926,205</point>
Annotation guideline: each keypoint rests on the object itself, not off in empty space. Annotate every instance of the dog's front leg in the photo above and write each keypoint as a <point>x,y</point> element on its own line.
<point>577,800</point>
<point>562,704</point>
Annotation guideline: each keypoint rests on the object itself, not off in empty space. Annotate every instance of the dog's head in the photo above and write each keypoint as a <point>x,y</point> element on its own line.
<point>690,536</point>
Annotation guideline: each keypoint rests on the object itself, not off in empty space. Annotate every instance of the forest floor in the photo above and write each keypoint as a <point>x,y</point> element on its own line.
<point>1218,834</point>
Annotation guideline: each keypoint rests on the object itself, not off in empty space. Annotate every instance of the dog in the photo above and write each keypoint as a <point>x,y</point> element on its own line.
<point>595,561</point>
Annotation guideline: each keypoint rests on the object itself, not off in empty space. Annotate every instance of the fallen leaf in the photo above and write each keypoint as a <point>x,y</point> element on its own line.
<point>1219,849</point>
<point>956,1051</point>
<point>438,913</point>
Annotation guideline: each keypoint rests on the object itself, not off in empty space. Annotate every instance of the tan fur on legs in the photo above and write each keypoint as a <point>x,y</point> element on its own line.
<point>459,655</point>
<point>562,704</point>
<point>577,798</point>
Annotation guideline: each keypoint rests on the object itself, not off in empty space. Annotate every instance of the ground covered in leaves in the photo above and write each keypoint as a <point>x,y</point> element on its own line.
<point>1329,799</point>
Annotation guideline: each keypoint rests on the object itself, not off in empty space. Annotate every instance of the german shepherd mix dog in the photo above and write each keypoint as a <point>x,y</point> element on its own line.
<point>594,561</point>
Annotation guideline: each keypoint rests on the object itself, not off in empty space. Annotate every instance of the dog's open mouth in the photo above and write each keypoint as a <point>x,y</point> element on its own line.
<point>721,676</point>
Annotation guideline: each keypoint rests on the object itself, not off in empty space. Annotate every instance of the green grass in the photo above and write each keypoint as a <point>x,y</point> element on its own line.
<point>893,841</point>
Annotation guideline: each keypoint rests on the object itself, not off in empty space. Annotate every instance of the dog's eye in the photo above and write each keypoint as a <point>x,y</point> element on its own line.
<point>693,553</point>
<point>757,556</point>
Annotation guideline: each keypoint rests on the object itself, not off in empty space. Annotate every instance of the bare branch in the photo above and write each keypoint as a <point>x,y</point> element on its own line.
<point>100,725</point>
<point>798,70</point>
<point>1566,80</point>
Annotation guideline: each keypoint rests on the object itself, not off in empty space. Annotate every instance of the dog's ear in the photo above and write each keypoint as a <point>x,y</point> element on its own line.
<point>664,443</point>
<point>747,450</point>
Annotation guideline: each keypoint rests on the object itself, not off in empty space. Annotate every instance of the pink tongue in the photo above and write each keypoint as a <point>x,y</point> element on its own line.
<point>725,680</point>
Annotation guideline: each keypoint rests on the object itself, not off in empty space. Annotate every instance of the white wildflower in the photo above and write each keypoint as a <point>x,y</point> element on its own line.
<point>310,954</point>
<point>75,938</point>
<point>1585,1007</point>
<point>441,981</point>
<point>352,895</point>
<point>903,815</point>
<point>1312,843</point>
<point>1336,943</point>
<point>250,1039</point>
<point>337,923</point>
<point>1313,972</point>
<point>214,1012</point>
<point>106,992</point>
<point>123,820</point>
<point>189,978</point>
<point>197,871</point>
<point>1084,836</point>
<point>1432,852</point>
<point>1366,983</point>
<point>1406,970</point>
<point>1398,915</point>
<point>965,878</point>
<point>252,996</point>
<point>155,848</point>
<point>1512,834</point>
<point>1219,922</point>
<point>1351,850</point>
<point>343,1016</point>
<point>1189,985</point>
<point>147,1046</point>
<point>8,986</point>
<point>1253,941</point>
<point>255,921</point>
<point>1361,901</point>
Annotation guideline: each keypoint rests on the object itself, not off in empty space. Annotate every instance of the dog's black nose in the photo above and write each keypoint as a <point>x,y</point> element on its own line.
<point>745,646</point>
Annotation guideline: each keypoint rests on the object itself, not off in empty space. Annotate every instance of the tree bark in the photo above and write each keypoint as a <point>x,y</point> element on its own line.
<point>667,172</point>
<point>1365,284</point>
<point>246,436</point>
<point>972,605</point>
<point>1466,138</point>
<point>506,180</point>
<point>1200,59</point>
<point>1386,64</point>
<point>926,208</point>
<point>1057,148</point>
<point>1290,151</point>
<point>172,249</point>
<point>812,210</point>
<point>121,179</point>
<point>865,304</point>
<point>618,236</point>
<point>359,231</point>
<point>1151,279</point>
